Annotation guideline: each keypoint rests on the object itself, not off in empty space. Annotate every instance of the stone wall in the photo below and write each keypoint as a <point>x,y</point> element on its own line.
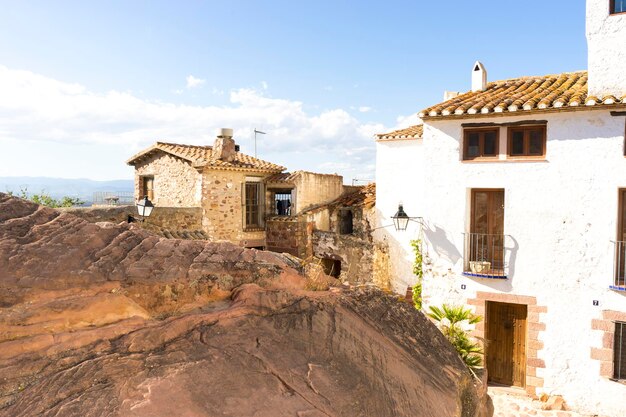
<point>176,182</point>
<point>287,235</point>
<point>224,210</point>
<point>312,189</point>
<point>172,218</point>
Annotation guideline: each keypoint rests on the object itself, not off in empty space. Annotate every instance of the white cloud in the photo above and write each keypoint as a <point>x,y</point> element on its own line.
<point>364,109</point>
<point>193,82</point>
<point>74,128</point>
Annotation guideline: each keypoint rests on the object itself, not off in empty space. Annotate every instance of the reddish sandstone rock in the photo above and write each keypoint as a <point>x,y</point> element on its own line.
<point>114,321</point>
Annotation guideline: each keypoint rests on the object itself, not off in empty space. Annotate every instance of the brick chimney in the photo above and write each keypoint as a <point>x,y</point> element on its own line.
<point>224,147</point>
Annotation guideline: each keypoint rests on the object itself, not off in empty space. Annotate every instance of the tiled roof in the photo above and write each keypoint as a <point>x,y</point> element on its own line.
<point>202,156</point>
<point>412,132</point>
<point>566,91</point>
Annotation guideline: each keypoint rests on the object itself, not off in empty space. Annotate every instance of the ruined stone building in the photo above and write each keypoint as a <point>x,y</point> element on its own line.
<point>335,236</point>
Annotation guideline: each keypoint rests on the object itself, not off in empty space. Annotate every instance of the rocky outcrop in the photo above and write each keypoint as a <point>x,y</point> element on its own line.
<point>114,321</point>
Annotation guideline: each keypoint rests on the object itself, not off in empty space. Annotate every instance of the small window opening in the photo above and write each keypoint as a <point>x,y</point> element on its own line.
<point>332,267</point>
<point>345,222</point>
<point>476,68</point>
<point>282,203</point>
<point>147,188</point>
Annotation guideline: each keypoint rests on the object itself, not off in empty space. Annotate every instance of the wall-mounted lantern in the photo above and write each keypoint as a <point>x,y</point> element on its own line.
<point>144,208</point>
<point>400,219</point>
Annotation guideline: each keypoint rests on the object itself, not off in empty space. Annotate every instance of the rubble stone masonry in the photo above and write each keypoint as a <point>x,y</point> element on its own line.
<point>176,182</point>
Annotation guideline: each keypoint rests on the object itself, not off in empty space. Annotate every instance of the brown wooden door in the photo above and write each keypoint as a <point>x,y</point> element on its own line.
<point>487,227</point>
<point>506,343</point>
<point>620,246</point>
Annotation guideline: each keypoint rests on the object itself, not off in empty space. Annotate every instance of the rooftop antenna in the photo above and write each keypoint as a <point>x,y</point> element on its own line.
<point>255,132</point>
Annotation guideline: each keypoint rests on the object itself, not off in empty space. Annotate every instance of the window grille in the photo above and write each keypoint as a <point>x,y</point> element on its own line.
<point>619,351</point>
<point>282,203</point>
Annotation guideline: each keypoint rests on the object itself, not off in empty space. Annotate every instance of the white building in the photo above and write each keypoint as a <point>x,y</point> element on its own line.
<point>521,185</point>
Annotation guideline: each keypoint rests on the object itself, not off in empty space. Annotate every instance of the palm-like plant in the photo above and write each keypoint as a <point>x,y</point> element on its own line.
<point>450,320</point>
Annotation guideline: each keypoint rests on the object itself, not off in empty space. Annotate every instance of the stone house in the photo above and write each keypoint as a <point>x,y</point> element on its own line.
<point>521,184</point>
<point>231,194</point>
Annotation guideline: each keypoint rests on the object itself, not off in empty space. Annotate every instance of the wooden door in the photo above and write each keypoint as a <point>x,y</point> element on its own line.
<point>487,227</point>
<point>620,246</point>
<point>148,188</point>
<point>505,339</point>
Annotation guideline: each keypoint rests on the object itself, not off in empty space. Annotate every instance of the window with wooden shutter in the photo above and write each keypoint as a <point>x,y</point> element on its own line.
<point>619,351</point>
<point>254,203</point>
<point>480,143</point>
<point>527,142</point>
<point>147,188</point>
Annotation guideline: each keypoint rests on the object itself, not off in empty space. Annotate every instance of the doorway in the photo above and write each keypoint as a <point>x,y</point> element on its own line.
<point>505,343</point>
<point>486,244</point>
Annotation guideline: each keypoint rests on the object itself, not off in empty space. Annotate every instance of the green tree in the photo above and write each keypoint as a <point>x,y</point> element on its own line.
<point>46,200</point>
<point>450,320</point>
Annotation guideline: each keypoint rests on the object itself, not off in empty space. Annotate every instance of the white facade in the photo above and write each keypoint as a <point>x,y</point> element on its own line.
<point>560,221</point>
<point>560,214</point>
<point>606,38</point>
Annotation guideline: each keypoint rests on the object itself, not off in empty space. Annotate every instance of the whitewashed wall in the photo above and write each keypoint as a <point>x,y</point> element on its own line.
<point>606,37</point>
<point>561,214</point>
<point>399,177</point>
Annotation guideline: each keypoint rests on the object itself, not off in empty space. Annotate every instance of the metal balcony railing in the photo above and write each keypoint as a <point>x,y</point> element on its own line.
<point>619,269</point>
<point>484,256</point>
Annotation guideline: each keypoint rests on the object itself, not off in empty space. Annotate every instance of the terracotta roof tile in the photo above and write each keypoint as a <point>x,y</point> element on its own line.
<point>412,132</point>
<point>364,196</point>
<point>202,156</point>
<point>549,92</point>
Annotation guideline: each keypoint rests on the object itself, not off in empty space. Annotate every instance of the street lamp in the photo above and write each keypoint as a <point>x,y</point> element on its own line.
<point>400,219</point>
<point>144,208</point>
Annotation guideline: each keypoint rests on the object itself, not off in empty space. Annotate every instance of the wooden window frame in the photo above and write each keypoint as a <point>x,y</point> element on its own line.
<point>260,206</point>
<point>526,129</point>
<point>481,144</point>
<point>612,8</point>
<point>618,355</point>
<point>142,187</point>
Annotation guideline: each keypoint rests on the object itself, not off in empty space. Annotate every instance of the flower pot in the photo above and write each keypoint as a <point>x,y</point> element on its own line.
<point>479,267</point>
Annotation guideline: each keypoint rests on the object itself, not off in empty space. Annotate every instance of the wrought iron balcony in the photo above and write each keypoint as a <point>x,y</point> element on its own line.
<point>484,256</point>
<point>619,267</point>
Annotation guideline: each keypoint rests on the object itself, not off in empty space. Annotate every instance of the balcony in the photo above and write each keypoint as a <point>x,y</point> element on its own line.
<point>619,267</point>
<point>484,256</point>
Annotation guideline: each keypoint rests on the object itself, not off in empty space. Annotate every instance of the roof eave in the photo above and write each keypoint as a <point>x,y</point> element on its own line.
<point>525,112</point>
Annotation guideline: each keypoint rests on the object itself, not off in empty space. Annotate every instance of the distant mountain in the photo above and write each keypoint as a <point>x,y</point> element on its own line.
<point>59,187</point>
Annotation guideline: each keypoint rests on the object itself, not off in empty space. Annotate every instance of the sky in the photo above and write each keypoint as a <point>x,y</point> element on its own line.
<point>84,85</point>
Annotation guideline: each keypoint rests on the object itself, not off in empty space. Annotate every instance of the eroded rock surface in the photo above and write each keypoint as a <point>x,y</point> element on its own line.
<point>113,321</point>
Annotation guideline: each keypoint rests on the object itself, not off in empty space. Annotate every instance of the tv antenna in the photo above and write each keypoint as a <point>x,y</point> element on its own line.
<point>255,132</point>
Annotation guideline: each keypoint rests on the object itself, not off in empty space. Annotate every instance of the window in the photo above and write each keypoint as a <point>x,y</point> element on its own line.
<point>484,244</point>
<point>620,242</point>
<point>480,143</point>
<point>619,351</point>
<point>147,188</point>
<point>618,6</point>
<point>345,222</point>
<point>527,142</point>
<point>282,203</point>
<point>253,198</point>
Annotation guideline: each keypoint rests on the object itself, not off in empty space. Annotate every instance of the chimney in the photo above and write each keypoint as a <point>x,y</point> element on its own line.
<point>449,95</point>
<point>224,147</point>
<point>479,77</point>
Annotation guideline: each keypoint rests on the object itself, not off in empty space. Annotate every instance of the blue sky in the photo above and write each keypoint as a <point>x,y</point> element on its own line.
<point>84,85</point>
